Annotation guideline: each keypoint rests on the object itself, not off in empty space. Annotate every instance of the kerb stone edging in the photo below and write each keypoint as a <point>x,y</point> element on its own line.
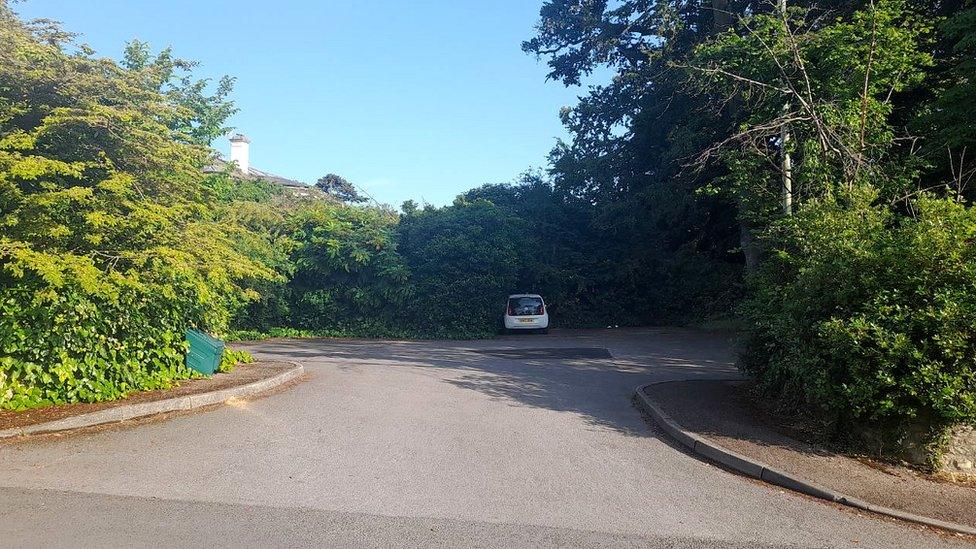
<point>141,409</point>
<point>759,470</point>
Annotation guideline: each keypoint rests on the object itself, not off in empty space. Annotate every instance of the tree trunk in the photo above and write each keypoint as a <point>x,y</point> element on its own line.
<point>787,161</point>
<point>721,18</point>
<point>750,247</point>
<point>784,144</point>
<point>721,22</point>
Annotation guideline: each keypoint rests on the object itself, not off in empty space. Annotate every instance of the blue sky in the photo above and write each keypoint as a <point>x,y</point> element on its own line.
<point>419,99</point>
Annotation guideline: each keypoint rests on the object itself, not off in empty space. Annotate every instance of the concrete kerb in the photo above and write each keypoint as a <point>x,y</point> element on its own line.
<point>142,409</point>
<point>756,469</point>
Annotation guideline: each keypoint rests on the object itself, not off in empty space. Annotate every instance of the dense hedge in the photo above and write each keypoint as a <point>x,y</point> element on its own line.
<point>445,272</point>
<point>67,343</point>
<point>869,318</point>
<point>112,239</point>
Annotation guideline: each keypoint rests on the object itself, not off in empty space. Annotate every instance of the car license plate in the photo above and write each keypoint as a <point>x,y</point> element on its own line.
<point>526,320</point>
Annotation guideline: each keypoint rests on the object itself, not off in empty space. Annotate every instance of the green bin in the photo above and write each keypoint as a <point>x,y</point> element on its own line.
<point>205,352</point>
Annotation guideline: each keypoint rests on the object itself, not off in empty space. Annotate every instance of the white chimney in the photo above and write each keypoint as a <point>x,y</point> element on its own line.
<point>239,151</point>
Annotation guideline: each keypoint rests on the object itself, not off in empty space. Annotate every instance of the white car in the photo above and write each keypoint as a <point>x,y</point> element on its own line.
<point>526,312</point>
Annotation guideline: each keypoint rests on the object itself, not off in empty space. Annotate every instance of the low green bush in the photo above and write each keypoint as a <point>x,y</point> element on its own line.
<point>66,342</point>
<point>232,357</point>
<point>867,316</point>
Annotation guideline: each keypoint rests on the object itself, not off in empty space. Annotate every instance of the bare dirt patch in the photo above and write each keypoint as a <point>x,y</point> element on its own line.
<point>720,411</point>
<point>243,374</point>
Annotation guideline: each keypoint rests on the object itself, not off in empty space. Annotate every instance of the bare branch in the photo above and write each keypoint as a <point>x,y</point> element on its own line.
<point>738,77</point>
<point>864,94</point>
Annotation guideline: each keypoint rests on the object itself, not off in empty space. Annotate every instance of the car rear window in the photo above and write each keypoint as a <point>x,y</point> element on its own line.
<point>524,306</point>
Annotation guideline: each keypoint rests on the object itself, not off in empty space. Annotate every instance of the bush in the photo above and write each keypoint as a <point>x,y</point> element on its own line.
<point>65,342</point>
<point>345,274</point>
<point>869,317</point>
<point>113,240</point>
<point>232,357</point>
<point>465,259</point>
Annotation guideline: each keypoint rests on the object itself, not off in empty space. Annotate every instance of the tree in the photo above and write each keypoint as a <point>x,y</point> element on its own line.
<point>947,118</point>
<point>409,207</point>
<point>338,187</point>
<point>200,115</point>
<point>632,139</point>
<point>862,300</point>
<point>842,134</point>
<point>113,243</point>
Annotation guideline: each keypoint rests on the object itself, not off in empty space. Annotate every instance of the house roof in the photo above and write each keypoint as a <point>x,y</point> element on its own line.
<point>219,164</point>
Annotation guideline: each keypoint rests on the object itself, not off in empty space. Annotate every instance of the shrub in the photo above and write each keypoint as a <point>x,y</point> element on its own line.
<point>866,316</point>
<point>466,260</point>
<point>347,275</point>
<point>112,240</point>
<point>71,341</point>
<point>232,357</point>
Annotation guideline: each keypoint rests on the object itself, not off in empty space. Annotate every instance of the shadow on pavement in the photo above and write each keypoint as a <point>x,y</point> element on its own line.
<point>592,373</point>
<point>723,412</point>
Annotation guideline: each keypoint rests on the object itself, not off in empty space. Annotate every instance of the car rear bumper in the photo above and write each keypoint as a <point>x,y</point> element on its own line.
<point>526,322</point>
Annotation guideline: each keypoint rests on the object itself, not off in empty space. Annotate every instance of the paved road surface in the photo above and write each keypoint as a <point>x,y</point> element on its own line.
<point>526,441</point>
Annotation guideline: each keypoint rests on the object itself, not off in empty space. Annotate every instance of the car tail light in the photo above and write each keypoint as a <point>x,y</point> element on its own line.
<point>511,310</point>
<point>542,309</point>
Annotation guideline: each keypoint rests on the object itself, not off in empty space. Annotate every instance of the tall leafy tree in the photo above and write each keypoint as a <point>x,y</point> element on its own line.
<point>688,139</point>
<point>947,115</point>
<point>111,243</point>
<point>831,82</point>
<point>340,188</point>
<point>201,113</point>
<point>633,141</point>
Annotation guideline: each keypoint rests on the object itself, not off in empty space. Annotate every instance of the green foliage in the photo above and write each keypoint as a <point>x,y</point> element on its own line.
<point>867,317</point>
<point>465,260</point>
<point>112,242</point>
<point>946,119</point>
<point>863,311</point>
<point>650,221</point>
<point>952,114</point>
<point>231,358</point>
<point>72,341</point>
<point>553,246</point>
<point>340,188</point>
<point>830,83</point>
<point>860,308</point>
<point>347,271</point>
<point>199,117</point>
<point>445,272</point>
